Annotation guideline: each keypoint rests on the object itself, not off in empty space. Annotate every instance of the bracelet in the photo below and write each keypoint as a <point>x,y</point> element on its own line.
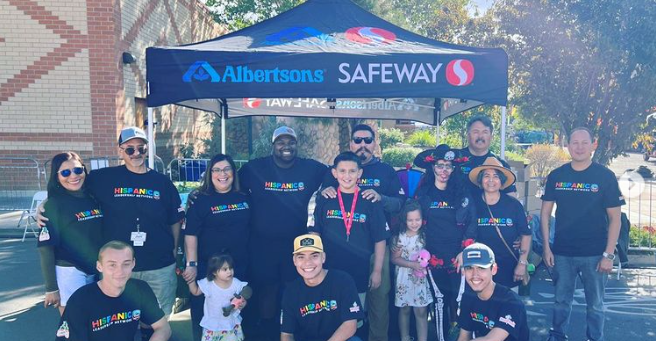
<point>52,292</point>
<point>523,262</point>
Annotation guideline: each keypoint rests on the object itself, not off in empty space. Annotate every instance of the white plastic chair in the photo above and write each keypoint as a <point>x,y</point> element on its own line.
<point>30,215</point>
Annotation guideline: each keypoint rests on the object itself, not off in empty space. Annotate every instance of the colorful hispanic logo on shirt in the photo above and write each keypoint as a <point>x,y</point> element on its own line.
<point>136,193</point>
<point>337,214</point>
<point>465,169</point>
<point>440,204</point>
<point>229,208</point>
<point>476,317</point>
<point>577,187</point>
<point>495,221</point>
<point>284,186</point>
<point>318,307</point>
<point>369,182</point>
<point>124,317</point>
<point>86,215</point>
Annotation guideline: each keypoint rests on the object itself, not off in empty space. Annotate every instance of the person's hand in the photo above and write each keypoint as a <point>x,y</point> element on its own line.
<point>416,266</point>
<point>371,195</point>
<point>458,262</point>
<point>41,220</point>
<point>52,299</point>
<point>241,303</point>
<point>548,257</point>
<point>189,274</point>
<point>329,193</point>
<point>520,272</point>
<point>193,195</point>
<point>517,243</point>
<point>375,280</point>
<point>605,265</point>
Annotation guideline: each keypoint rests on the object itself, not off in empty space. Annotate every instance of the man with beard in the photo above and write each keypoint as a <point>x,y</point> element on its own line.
<point>479,138</point>
<point>378,182</point>
<point>141,208</point>
<point>280,187</point>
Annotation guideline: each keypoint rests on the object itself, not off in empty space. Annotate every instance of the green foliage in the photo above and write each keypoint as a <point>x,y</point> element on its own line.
<point>514,156</point>
<point>390,137</point>
<point>400,156</point>
<point>642,237</point>
<point>422,138</point>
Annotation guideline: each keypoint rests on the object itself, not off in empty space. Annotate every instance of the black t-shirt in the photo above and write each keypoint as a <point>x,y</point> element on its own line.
<point>124,197</point>
<point>280,196</point>
<point>582,199</point>
<point>475,161</point>
<point>315,313</point>
<point>503,310</point>
<point>91,315</point>
<point>221,222</point>
<point>378,176</point>
<point>509,216</point>
<point>369,227</point>
<point>74,229</point>
<point>448,222</point>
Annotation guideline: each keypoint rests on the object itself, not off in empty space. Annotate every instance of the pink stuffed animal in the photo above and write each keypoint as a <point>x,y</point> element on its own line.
<point>423,257</point>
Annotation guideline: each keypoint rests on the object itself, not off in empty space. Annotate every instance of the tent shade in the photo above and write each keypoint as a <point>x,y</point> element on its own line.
<point>335,52</point>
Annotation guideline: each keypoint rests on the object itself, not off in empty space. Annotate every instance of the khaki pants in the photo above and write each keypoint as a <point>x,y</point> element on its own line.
<point>377,303</point>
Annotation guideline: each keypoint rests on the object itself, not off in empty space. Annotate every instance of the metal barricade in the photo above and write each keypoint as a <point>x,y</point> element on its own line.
<point>20,178</point>
<point>640,211</point>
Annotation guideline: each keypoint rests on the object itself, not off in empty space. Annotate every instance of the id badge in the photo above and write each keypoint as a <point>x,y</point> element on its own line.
<point>138,238</point>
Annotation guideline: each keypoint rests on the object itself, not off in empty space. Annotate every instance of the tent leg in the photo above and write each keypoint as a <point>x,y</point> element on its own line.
<point>437,134</point>
<point>223,132</point>
<point>503,132</point>
<point>151,140</point>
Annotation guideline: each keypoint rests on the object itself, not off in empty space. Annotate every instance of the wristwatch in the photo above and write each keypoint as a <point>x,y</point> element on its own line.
<point>192,263</point>
<point>610,256</point>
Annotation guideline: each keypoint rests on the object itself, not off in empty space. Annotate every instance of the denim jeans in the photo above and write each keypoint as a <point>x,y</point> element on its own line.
<point>566,270</point>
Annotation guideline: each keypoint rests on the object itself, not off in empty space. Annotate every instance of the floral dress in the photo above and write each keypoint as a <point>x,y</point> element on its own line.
<point>411,290</point>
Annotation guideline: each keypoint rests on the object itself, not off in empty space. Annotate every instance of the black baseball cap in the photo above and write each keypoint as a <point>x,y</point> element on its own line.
<point>479,255</point>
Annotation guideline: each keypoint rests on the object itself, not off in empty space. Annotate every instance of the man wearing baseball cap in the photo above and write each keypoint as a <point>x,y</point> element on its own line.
<point>281,186</point>
<point>322,304</point>
<point>141,208</point>
<point>494,312</point>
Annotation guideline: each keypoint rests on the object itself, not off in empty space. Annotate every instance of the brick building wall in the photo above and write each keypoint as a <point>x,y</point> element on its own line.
<point>63,85</point>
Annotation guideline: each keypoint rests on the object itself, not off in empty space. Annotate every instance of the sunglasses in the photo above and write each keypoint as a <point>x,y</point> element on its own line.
<point>67,172</point>
<point>367,140</point>
<point>132,150</point>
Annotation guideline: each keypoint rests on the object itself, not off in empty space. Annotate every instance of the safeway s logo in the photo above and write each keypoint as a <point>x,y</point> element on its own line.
<point>460,72</point>
<point>252,103</point>
<point>201,71</point>
<point>370,35</point>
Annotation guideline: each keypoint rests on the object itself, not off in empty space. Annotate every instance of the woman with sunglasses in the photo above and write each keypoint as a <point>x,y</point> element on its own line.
<point>69,242</point>
<point>217,222</point>
<point>449,219</point>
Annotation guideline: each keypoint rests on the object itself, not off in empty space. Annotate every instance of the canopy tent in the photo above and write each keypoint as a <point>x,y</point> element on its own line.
<point>327,58</point>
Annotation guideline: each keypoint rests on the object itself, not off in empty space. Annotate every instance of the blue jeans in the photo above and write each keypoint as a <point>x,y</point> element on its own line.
<point>594,283</point>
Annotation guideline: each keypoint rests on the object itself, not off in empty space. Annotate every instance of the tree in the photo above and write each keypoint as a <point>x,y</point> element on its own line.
<point>582,63</point>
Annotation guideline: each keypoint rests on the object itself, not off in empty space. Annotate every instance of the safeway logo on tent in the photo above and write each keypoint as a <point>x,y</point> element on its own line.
<point>460,72</point>
<point>252,103</point>
<point>370,35</point>
<point>201,71</point>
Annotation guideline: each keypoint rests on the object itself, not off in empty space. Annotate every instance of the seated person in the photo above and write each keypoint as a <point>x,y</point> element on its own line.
<point>492,312</point>
<point>322,304</point>
<point>112,308</point>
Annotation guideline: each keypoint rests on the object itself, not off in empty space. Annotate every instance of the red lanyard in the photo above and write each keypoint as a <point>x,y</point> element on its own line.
<point>348,222</point>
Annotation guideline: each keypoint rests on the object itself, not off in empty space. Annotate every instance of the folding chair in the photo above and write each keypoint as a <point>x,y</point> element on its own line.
<point>30,215</point>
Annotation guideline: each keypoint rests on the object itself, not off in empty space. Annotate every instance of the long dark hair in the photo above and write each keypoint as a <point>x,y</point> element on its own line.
<point>207,187</point>
<point>54,187</point>
<point>410,206</point>
<point>454,186</point>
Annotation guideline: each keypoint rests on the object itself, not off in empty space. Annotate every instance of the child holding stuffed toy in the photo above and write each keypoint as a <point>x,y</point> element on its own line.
<point>224,299</point>
<point>411,260</point>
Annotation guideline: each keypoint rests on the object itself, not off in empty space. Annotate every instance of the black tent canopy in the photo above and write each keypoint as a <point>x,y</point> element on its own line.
<point>327,58</point>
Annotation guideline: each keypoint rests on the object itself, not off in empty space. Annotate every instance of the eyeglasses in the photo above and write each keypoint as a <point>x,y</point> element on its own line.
<point>67,172</point>
<point>367,140</point>
<point>226,170</point>
<point>444,167</point>
<point>131,150</point>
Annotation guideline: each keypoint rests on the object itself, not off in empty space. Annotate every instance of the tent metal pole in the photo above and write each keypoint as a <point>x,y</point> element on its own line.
<point>223,139</point>
<point>151,141</point>
<point>503,132</point>
<point>437,134</point>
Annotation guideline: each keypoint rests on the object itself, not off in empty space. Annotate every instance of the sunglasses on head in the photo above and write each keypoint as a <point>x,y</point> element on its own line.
<point>367,140</point>
<point>131,150</point>
<point>67,172</point>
